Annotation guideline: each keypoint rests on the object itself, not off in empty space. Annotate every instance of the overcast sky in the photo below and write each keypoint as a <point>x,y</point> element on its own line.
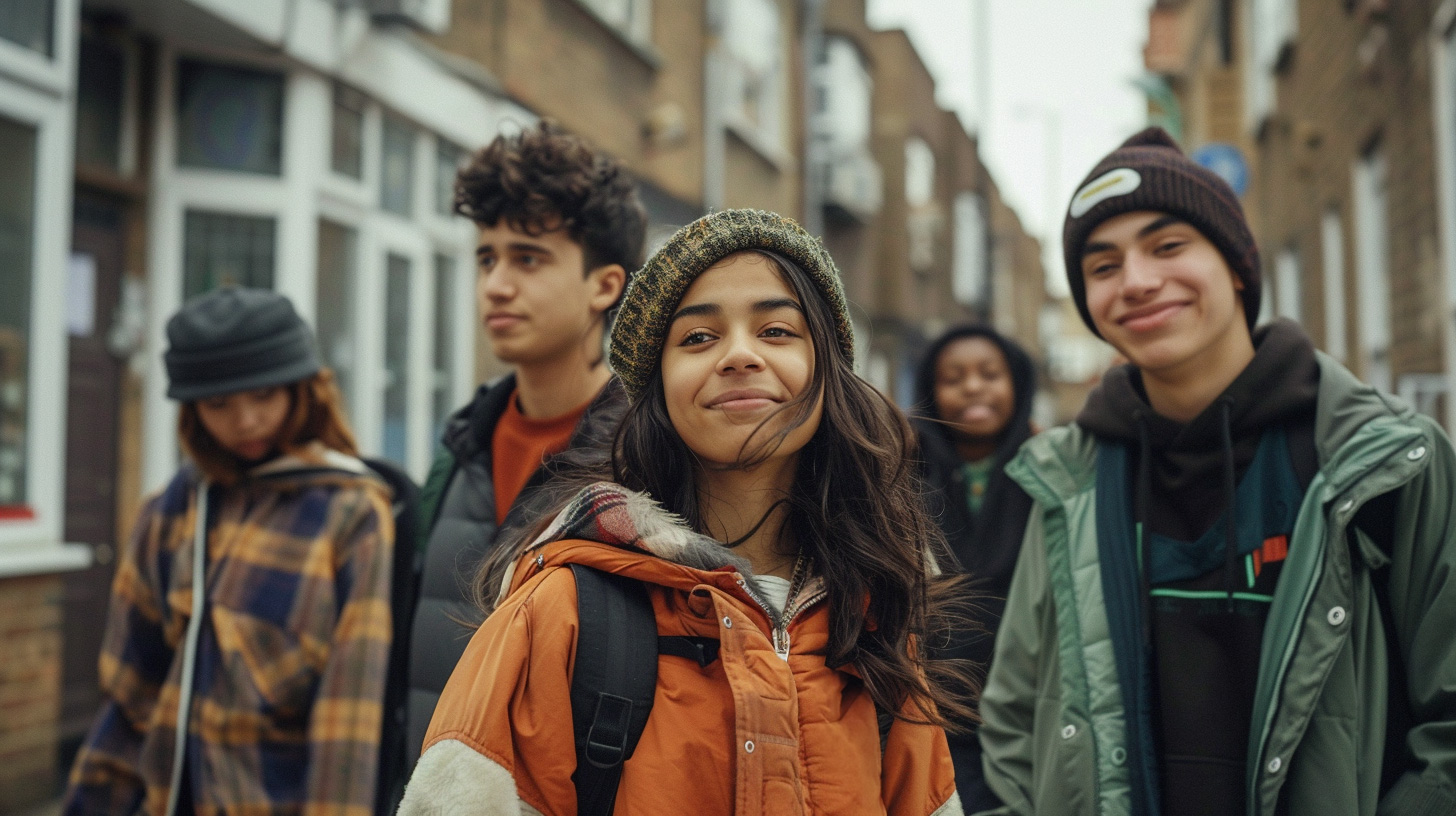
<point>1059,85</point>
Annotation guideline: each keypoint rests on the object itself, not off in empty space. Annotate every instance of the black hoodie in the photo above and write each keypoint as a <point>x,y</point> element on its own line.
<point>1207,653</point>
<point>985,544</point>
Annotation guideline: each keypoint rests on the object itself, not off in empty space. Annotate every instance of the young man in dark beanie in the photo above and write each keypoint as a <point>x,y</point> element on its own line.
<point>1237,589</point>
<point>560,228</point>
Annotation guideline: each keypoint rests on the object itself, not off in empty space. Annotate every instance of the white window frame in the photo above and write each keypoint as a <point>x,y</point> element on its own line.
<point>1370,179</point>
<point>35,92</point>
<point>1332,261</point>
<point>52,75</point>
<point>306,191</point>
<point>1443,88</point>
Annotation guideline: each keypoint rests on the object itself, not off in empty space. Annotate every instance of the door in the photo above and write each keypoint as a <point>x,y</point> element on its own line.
<point>93,392</point>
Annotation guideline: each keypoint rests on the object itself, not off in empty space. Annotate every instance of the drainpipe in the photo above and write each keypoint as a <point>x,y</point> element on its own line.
<point>811,45</point>
<point>715,144</point>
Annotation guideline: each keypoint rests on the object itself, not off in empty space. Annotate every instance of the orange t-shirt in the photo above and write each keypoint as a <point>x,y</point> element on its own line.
<point>520,444</point>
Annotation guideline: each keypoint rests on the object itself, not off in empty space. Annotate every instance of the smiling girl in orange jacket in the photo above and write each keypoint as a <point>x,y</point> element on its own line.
<point>759,491</point>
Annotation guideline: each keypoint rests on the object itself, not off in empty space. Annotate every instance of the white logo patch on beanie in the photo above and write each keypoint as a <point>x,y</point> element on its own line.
<point>1111,184</point>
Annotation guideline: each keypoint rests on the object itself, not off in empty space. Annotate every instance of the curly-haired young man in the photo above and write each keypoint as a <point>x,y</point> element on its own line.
<point>560,226</point>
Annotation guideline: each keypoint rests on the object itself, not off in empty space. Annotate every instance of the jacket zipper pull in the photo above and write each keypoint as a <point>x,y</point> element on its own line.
<point>781,641</point>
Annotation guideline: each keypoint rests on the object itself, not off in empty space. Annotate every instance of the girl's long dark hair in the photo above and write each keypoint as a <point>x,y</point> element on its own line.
<point>855,508</point>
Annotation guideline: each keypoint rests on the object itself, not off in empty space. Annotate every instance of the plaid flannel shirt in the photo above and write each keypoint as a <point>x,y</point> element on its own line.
<point>291,659</point>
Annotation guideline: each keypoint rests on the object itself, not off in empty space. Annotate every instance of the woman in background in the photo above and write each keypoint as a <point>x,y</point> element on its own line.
<point>974,393</point>
<point>263,693</point>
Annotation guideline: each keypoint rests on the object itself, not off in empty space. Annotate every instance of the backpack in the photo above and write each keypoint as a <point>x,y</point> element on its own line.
<point>615,678</point>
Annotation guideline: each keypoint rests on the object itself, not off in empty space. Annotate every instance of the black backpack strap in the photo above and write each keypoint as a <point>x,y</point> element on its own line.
<point>613,682</point>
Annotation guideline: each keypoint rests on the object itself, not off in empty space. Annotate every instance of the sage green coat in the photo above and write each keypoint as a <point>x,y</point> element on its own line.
<point>1054,725</point>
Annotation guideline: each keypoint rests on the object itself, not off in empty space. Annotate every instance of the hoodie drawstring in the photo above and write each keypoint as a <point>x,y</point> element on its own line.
<point>1140,519</point>
<point>1230,526</point>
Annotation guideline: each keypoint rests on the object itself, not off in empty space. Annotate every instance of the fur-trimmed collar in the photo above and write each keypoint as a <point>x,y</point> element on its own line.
<point>608,513</point>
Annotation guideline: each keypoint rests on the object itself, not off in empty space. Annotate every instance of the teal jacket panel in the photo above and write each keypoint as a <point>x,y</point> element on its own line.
<point>1053,732</point>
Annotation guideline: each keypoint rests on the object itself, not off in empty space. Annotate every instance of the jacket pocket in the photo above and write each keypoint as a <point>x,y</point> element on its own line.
<point>1063,777</point>
<point>1323,777</point>
<point>269,669</point>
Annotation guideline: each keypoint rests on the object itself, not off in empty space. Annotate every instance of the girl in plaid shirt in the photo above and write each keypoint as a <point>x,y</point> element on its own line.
<point>264,694</point>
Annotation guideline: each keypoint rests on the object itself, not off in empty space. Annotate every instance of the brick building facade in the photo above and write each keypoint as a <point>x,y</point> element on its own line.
<point>1343,111</point>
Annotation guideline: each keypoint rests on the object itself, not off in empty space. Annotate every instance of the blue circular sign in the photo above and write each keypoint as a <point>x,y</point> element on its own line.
<point>1225,160</point>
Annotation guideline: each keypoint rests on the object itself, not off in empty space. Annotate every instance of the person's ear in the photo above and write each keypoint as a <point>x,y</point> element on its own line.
<point>607,284</point>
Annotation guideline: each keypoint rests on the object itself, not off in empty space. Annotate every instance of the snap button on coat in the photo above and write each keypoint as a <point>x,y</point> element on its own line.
<point>1337,615</point>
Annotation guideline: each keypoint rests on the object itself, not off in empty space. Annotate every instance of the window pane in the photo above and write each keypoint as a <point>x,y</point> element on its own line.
<point>226,250</point>
<point>229,118</point>
<point>444,339</point>
<point>27,23</point>
<point>17,230</point>
<point>397,170</point>
<point>337,248</point>
<point>447,162</point>
<point>99,79</point>
<point>348,131</point>
<point>396,358</point>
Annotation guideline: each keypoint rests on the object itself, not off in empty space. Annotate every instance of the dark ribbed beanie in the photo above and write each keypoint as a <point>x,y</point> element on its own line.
<point>642,321</point>
<point>1150,172</point>
<point>237,339</point>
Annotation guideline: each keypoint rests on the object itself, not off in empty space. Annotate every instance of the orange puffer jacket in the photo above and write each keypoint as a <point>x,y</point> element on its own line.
<point>751,733</point>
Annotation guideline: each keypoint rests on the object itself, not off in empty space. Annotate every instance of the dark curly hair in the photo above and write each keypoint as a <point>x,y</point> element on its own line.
<point>544,179</point>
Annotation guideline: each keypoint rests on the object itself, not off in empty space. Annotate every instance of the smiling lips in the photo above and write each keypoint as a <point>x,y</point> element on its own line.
<point>742,399</point>
<point>976,413</point>
<point>1150,317</point>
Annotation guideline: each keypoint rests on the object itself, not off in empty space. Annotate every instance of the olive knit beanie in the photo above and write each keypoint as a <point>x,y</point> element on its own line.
<point>1150,172</point>
<point>642,321</point>
<point>237,339</point>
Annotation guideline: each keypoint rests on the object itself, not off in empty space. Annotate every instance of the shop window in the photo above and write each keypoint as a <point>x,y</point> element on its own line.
<point>337,254</point>
<point>220,249</point>
<point>396,359</point>
<point>346,154</point>
<point>448,158</point>
<point>229,118</point>
<point>100,86</point>
<point>397,168</point>
<point>17,236</point>
<point>29,24</point>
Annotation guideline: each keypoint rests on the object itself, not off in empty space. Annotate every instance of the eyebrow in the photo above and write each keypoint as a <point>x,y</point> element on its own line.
<point>714,309</point>
<point>517,246</point>
<point>1157,224</point>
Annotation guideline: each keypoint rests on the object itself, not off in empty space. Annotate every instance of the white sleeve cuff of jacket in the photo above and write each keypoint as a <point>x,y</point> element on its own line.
<point>452,778</point>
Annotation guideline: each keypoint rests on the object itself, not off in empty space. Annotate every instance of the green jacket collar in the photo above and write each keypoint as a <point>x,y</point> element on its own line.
<point>1358,429</point>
